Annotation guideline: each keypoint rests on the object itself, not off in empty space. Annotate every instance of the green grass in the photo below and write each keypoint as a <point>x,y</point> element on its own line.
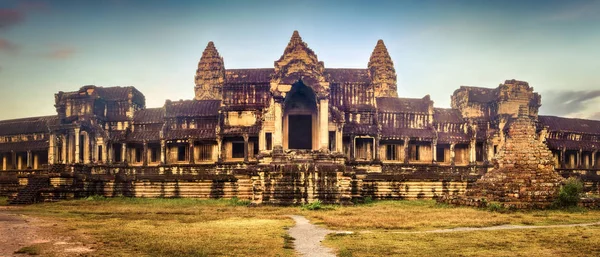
<point>183,227</point>
<point>3,201</point>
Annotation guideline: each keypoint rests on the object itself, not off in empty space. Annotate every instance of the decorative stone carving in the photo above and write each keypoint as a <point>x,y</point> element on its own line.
<point>299,62</point>
<point>210,75</point>
<point>382,72</point>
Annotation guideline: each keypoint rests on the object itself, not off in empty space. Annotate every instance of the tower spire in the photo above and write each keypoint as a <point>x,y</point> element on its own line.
<point>382,72</point>
<point>210,74</point>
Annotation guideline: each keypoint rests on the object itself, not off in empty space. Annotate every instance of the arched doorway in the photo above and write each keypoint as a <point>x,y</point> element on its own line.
<point>300,118</point>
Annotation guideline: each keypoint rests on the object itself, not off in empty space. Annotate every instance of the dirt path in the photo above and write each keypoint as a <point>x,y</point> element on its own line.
<point>18,231</point>
<point>308,238</point>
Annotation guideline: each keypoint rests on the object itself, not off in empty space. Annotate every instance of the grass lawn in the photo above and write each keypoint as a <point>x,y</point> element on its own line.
<point>3,201</point>
<point>184,227</point>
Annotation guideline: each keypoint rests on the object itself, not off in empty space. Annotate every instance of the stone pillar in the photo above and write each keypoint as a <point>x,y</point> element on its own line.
<point>339,140</point>
<point>352,147</point>
<point>579,159</point>
<point>376,148</point>
<point>191,151</point>
<point>594,153</point>
<point>29,159</point>
<point>452,154</point>
<point>76,132</point>
<point>110,157</point>
<point>163,145</point>
<point>246,137</point>
<point>406,157</point>
<point>563,158</point>
<point>219,149</point>
<point>489,151</point>
<point>145,154</point>
<point>3,161</point>
<point>324,124</point>
<point>434,151</point>
<point>278,133</point>
<point>36,161</point>
<point>51,149</point>
<point>472,154</point>
<point>124,152</point>
<point>262,140</point>
<point>20,162</point>
<point>106,151</point>
<point>64,150</point>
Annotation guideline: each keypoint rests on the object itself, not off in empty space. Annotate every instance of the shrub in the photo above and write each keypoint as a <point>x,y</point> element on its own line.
<point>30,250</point>
<point>238,202</point>
<point>570,193</point>
<point>316,205</point>
<point>95,198</point>
<point>496,207</point>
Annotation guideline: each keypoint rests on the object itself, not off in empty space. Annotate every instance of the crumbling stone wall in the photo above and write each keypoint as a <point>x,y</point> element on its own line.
<point>523,174</point>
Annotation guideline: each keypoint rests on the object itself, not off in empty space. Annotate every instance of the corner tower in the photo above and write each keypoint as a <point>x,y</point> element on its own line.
<point>382,72</point>
<point>210,75</point>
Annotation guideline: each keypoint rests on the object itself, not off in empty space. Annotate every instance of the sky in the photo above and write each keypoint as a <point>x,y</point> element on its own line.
<point>437,46</point>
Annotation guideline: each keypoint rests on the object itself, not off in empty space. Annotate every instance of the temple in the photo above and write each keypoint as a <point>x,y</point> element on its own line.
<point>293,133</point>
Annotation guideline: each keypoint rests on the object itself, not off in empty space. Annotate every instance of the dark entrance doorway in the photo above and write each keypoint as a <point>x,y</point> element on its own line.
<point>300,132</point>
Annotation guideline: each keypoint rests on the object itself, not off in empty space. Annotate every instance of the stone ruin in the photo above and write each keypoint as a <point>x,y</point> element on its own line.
<point>523,175</point>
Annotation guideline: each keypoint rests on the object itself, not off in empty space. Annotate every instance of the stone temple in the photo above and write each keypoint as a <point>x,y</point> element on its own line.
<point>293,133</point>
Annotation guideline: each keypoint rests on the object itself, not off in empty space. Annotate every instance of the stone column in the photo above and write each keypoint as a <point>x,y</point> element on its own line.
<point>490,151</point>
<point>163,152</point>
<point>352,147</point>
<point>105,150</point>
<point>579,159</point>
<point>472,154</point>
<point>20,162</point>
<point>246,137</point>
<point>3,161</point>
<point>219,149</point>
<point>339,143</point>
<point>278,133</point>
<point>29,159</point>
<point>593,166</point>
<point>76,131</point>
<point>124,152</point>
<point>434,151</point>
<point>51,149</point>
<point>406,156</point>
<point>191,151</point>
<point>452,154</point>
<point>64,150</point>
<point>376,148</point>
<point>35,161</point>
<point>110,157</point>
<point>262,140</point>
<point>563,158</point>
<point>324,124</point>
<point>145,153</point>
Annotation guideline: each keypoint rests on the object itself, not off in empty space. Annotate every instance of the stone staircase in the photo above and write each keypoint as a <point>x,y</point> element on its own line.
<point>29,194</point>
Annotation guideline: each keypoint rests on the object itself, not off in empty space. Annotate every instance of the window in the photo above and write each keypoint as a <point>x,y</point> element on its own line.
<point>117,153</point>
<point>391,152</point>
<point>181,153</point>
<point>100,153</point>
<point>154,154</point>
<point>440,154</point>
<point>237,149</point>
<point>414,153</point>
<point>331,140</point>
<point>138,155</point>
<point>269,139</point>
<point>479,152</point>
<point>205,153</point>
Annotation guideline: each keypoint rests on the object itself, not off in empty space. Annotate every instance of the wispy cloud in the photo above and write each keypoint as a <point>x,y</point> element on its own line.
<point>7,46</point>
<point>575,11</point>
<point>9,17</point>
<point>571,103</point>
<point>61,53</point>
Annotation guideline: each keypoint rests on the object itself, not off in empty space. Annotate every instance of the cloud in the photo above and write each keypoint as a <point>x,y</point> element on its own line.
<point>61,53</point>
<point>595,116</point>
<point>7,46</point>
<point>9,17</point>
<point>570,102</point>
<point>581,10</point>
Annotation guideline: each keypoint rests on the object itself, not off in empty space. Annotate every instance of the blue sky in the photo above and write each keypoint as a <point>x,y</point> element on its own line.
<point>437,46</point>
